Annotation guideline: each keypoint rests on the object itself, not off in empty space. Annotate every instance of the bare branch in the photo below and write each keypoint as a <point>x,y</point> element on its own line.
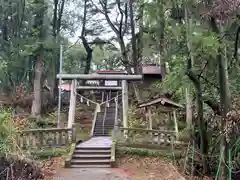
<point>103,4</point>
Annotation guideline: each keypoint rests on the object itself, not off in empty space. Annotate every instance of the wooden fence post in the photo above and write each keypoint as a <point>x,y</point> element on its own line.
<point>175,124</point>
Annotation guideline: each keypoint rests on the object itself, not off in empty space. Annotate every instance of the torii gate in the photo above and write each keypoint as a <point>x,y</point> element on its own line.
<point>124,88</point>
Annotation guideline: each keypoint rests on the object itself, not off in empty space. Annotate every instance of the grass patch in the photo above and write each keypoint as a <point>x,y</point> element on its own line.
<point>48,153</point>
<point>150,153</point>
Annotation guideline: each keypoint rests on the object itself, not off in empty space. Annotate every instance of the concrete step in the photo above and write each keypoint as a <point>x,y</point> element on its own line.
<point>111,119</point>
<point>107,115</point>
<point>90,161</point>
<point>90,166</point>
<point>106,126</point>
<point>100,124</point>
<point>101,131</point>
<point>92,152</point>
<point>91,156</point>
<point>103,128</point>
<point>100,128</point>
<point>92,149</point>
<point>100,135</point>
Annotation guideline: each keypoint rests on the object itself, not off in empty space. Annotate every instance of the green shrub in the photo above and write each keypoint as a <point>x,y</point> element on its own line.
<point>184,135</point>
<point>146,152</point>
<point>135,120</point>
<point>48,153</point>
<point>6,132</point>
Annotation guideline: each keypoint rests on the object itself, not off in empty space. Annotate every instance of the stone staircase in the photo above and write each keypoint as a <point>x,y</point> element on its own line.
<point>96,152</point>
<point>104,126</point>
<point>91,157</point>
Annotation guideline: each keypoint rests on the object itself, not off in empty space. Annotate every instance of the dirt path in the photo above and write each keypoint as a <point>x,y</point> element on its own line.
<point>129,168</point>
<point>90,174</point>
<point>148,168</point>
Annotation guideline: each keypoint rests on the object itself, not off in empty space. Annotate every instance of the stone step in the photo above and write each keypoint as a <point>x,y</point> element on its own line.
<point>96,134</point>
<point>101,114</point>
<point>106,126</point>
<point>92,152</point>
<point>103,132</point>
<point>91,156</point>
<point>109,118</point>
<point>90,166</point>
<point>98,148</point>
<point>90,161</point>
<point>96,129</point>
<point>101,128</point>
<point>99,134</point>
<point>102,125</point>
<point>111,123</point>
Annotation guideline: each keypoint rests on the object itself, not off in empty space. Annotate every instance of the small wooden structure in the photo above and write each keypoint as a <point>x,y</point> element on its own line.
<point>165,105</point>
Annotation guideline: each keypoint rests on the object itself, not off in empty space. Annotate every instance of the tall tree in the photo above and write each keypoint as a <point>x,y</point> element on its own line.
<point>86,45</point>
<point>39,33</point>
<point>120,27</point>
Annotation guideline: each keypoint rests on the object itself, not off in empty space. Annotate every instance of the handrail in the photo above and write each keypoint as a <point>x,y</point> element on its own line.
<point>116,118</point>
<point>35,138</point>
<point>97,109</point>
<point>45,130</point>
<point>104,116</point>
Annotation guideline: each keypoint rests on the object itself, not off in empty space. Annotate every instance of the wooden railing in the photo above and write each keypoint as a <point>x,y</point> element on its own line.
<point>41,138</point>
<point>145,137</point>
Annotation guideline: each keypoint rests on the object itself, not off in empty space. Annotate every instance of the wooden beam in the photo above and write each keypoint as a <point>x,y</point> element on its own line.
<point>100,77</point>
<point>99,87</point>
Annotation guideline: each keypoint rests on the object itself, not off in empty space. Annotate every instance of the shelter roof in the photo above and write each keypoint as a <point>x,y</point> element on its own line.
<point>163,101</point>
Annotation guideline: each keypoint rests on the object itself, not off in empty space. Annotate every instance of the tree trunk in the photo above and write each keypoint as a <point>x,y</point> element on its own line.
<point>160,34</point>
<point>37,88</point>
<point>37,85</point>
<point>135,60</point>
<point>225,102</point>
<point>133,39</point>
<point>198,89</point>
<point>88,49</point>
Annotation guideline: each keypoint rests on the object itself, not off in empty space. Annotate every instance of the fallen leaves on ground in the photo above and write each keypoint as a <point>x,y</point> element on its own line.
<point>148,168</point>
<point>50,167</point>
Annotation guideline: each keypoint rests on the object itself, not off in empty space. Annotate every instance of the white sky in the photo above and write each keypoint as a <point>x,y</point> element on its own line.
<point>112,16</point>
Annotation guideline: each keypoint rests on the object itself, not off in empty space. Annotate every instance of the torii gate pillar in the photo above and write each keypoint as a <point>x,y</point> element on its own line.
<point>125,103</point>
<point>72,107</point>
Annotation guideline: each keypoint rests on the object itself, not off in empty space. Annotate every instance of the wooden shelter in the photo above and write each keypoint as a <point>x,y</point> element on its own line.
<point>165,105</point>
